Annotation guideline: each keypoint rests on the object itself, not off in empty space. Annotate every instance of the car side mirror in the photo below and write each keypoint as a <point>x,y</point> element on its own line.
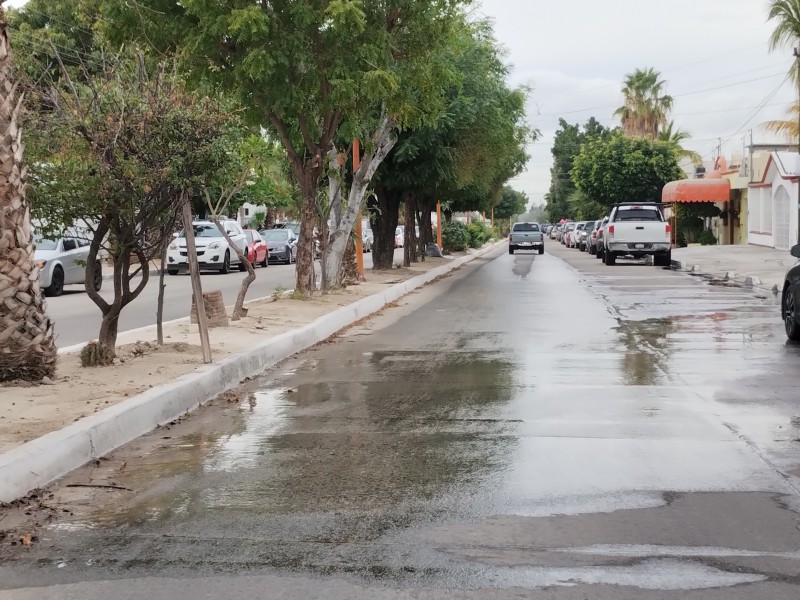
<point>795,251</point>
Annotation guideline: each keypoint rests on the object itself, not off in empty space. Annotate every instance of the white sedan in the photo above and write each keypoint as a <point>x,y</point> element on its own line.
<point>62,261</point>
<point>213,251</point>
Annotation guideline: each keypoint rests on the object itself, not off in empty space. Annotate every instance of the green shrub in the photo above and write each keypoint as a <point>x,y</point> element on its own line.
<point>95,355</point>
<point>455,237</point>
<point>707,238</point>
<point>478,234</point>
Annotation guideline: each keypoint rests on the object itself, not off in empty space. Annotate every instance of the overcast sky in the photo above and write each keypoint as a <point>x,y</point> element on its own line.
<point>575,53</point>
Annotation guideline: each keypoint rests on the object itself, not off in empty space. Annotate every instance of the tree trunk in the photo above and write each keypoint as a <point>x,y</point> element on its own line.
<point>109,327</point>
<point>409,243</point>
<point>27,345</point>
<point>123,294</point>
<point>426,207</point>
<point>382,142</point>
<point>349,275</point>
<point>383,221</point>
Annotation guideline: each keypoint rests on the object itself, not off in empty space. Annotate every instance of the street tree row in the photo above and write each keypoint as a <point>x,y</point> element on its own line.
<point>132,107</point>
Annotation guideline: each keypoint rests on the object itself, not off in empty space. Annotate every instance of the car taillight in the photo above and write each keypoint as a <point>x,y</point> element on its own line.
<point>668,228</point>
<point>594,233</point>
<point>610,230</point>
<point>509,237</point>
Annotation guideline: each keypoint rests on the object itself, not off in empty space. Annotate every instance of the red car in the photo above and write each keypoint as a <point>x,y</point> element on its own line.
<point>257,252</point>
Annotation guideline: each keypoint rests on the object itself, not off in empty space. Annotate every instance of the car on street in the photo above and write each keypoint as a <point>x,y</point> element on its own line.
<point>568,229</point>
<point>213,251</point>
<point>367,238</point>
<point>638,229</point>
<point>790,311</point>
<point>591,239</point>
<point>578,237</point>
<point>62,261</point>
<point>282,244</point>
<point>257,252</point>
<point>526,236</point>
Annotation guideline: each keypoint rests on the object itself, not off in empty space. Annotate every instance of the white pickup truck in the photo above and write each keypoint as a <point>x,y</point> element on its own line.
<point>637,230</point>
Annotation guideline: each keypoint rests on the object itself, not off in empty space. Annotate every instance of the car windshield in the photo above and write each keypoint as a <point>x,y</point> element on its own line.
<point>203,230</point>
<point>526,227</point>
<point>251,236</point>
<point>44,244</point>
<point>276,235</point>
<point>637,214</point>
<point>570,226</point>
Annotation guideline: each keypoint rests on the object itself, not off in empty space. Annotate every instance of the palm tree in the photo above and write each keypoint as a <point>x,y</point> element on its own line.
<point>675,138</point>
<point>645,107</point>
<point>786,14</point>
<point>27,345</point>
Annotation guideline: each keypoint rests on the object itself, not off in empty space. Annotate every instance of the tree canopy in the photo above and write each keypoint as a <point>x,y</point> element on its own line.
<point>620,168</point>
<point>567,144</point>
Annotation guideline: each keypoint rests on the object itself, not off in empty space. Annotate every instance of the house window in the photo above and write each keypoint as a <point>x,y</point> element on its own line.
<point>246,212</point>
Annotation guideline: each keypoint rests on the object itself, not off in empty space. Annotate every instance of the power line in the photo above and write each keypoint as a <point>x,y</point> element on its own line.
<point>607,107</point>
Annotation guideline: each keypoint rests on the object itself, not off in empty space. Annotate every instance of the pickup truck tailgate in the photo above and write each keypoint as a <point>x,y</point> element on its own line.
<point>638,232</point>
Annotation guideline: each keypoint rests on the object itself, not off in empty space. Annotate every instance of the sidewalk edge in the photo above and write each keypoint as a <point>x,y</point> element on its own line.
<point>47,458</point>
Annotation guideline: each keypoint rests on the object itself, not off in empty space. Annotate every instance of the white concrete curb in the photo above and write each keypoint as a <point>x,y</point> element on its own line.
<point>45,459</point>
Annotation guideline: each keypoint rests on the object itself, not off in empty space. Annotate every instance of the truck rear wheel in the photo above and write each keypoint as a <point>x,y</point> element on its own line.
<point>541,250</point>
<point>610,259</point>
<point>511,249</point>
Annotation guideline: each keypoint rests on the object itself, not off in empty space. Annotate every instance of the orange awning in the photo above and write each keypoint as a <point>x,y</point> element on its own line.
<point>697,190</point>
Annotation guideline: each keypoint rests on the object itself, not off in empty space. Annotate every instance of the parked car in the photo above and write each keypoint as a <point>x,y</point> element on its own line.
<point>525,236</point>
<point>790,311</point>
<point>600,243</point>
<point>556,231</point>
<point>282,244</point>
<point>367,239</point>
<point>213,250</point>
<point>569,227</point>
<point>257,252</point>
<point>591,238</point>
<point>637,230</point>
<point>293,225</point>
<point>62,261</point>
<point>578,237</point>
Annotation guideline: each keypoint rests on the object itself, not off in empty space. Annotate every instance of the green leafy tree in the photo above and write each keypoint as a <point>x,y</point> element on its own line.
<point>646,106</point>
<point>511,203</point>
<point>312,73</point>
<point>464,158</point>
<point>117,154</point>
<point>624,169</point>
<point>561,202</point>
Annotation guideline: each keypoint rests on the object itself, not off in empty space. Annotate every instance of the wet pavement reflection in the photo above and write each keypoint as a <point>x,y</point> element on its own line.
<point>538,423</point>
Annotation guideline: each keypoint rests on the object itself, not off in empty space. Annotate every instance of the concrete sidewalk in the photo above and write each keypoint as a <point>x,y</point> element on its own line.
<point>754,266</point>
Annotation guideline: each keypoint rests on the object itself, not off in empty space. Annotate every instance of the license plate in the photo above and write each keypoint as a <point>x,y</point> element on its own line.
<point>637,246</point>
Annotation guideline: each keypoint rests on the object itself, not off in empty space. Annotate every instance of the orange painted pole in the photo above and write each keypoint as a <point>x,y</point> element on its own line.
<point>359,238</point>
<point>439,224</point>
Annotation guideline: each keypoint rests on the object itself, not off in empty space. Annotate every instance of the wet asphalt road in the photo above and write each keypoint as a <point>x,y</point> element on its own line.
<point>528,428</point>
